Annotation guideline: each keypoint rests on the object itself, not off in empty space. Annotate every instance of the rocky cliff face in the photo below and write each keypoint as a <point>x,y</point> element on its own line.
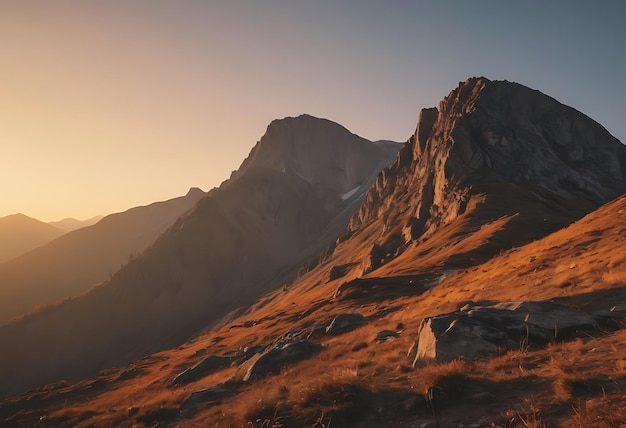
<point>293,196</point>
<point>501,149</point>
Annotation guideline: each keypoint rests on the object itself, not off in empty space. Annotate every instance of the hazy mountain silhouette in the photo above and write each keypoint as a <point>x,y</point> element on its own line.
<point>70,224</point>
<point>291,197</point>
<point>73,263</point>
<point>20,233</point>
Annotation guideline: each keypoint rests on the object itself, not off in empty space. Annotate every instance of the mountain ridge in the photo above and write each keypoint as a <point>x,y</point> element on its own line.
<point>484,207</point>
<point>249,236</point>
<point>70,224</point>
<point>77,260</point>
<point>460,155</point>
<point>20,234</point>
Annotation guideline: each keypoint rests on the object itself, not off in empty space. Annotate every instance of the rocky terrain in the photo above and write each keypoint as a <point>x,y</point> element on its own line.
<point>76,261</point>
<point>480,282</point>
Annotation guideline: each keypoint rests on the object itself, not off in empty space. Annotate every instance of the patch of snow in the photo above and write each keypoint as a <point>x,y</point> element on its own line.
<point>350,193</point>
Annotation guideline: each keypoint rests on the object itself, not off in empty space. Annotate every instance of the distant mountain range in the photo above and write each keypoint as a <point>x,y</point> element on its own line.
<point>20,233</point>
<point>78,260</point>
<point>70,224</point>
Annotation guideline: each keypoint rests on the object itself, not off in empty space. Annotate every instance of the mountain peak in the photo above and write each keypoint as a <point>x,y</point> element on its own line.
<point>195,191</point>
<point>504,148</point>
<point>317,150</point>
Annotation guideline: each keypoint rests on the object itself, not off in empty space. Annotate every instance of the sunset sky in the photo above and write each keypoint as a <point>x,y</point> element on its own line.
<point>106,105</point>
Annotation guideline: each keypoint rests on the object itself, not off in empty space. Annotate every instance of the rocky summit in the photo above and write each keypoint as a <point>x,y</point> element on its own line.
<point>494,148</point>
<point>477,280</point>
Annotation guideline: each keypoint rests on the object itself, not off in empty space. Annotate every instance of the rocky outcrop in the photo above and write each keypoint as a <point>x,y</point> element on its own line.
<point>480,329</point>
<point>206,366</point>
<point>343,323</point>
<point>498,149</point>
<point>274,359</point>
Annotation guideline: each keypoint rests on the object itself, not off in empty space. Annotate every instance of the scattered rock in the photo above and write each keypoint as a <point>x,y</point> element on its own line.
<point>385,335</point>
<point>251,350</point>
<point>344,322</point>
<point>340,324</point>
<point>274,359</point>
<point>339,271</point>
<point>486,328</point>
<point>208,365</point>
<point>378,289</point>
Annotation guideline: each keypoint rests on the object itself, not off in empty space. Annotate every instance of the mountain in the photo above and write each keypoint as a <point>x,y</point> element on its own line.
<point>496,217</point>
<point>74,262</point>
<point>20,233</point>
<point>290,198</point>
<point>493,149</point>
<point>70,224</point>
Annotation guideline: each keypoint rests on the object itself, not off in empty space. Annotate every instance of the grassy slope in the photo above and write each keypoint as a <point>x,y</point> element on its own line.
<point>578,383</point>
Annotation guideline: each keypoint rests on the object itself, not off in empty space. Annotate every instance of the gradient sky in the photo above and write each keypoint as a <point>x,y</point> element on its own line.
<point>106,105</point>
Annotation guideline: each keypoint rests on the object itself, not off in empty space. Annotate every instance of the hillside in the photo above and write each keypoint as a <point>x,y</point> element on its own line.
<point>250,236</point>
<point>480,283</point>
<point>357,380</point>
<point>75,262</point>
<point>20,233</point>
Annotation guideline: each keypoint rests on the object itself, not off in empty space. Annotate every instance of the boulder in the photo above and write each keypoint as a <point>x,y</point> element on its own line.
<point>480,329</point>
<point>274,359</point>
<point>206,366</point>
<point>340,324</point>
<point>345,322</point>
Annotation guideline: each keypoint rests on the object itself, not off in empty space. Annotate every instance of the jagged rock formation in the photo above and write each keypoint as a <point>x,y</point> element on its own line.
<point>488,327</point>
<point>501,149</point>
<point>73,263</point>
<point>291,197</point>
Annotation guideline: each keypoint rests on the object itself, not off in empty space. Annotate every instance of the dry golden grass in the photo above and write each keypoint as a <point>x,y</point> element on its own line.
<point>573,384</point>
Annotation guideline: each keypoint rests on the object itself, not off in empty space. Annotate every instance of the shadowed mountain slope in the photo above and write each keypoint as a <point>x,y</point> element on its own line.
<point>20,233</point>
<point>291,197</point>
<point>76,261</point>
